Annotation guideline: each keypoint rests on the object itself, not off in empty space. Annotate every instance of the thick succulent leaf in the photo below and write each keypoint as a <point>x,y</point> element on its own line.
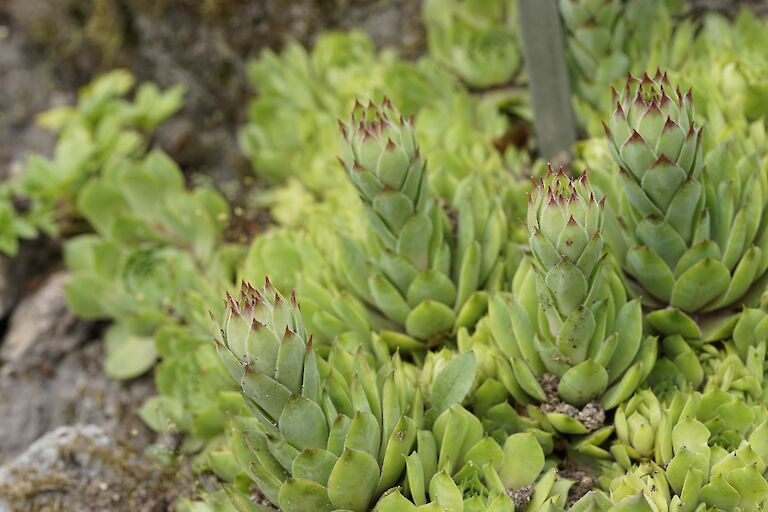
<point>750,485</point>
<point>399,341</point>
<point>629,324</point>
<point>298,495</point>
<point>268,394</point>
<point>429,319</point>
<point>393,208</point>
<point>674,321</point>
<point>523,461</point>
<point>527,380</point>
<point>469,273</point>
<point>453,382</point>
<point>416,478</point>
<point>364,434</point>
<point>684,210</point>
<point>290,361</point>
<point>582,383</point>
<point>398,447</point>
<point>303,424</point>
<point>719,493</point>
<point>637,155</point>
<point>743,277</point>
<point>700,284</point>
<point>637,198</point>
<point>472,311</point>
<point>554,360</point>
<point>659,236</point>
<point>413,241</point>
<point>500,321</point>
<point>338,434</point>
<point>577,330</point>
<point>360,468</point>
<point>624,388</point>
<point>443,491</point>
<point>566,424</point>
<point>388,299</point>
<point>568,286</point>
<point>314,464</point>
<point>700,251</point>
<point>395,502</point>
<point>651,272</point>
<point>543,249</point>
<point>398,270</point>
<point>661,182</point>
<point>432,285</point>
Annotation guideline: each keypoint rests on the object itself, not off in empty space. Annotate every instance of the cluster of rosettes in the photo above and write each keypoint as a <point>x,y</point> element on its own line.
<point>652,127</point>
<point>564,220</point>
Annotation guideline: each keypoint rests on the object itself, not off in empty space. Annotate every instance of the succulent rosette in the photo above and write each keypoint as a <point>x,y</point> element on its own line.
<point>697,477</point>
<point>476,39</point>
<point>420,269</point>
<point>596,35</point>
<point>314,425</point>
<point>696,238</point>
<point>567,328</point>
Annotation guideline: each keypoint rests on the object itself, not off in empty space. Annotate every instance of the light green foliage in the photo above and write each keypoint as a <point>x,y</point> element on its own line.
<point>291,134</point>
<point>695,239</point>
<point>102,129</point>
<point>476,39</point>
<point>568,313</point>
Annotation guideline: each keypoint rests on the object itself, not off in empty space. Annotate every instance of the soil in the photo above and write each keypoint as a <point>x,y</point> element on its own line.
<point>521,497</point>
<point>582,481</point>
<point>592,415</point>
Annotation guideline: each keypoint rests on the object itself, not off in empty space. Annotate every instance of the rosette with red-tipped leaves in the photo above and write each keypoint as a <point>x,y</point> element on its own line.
<point>420,273</point>
<point>315,426</point>
<point>568,330</point>
<point>693,224</point>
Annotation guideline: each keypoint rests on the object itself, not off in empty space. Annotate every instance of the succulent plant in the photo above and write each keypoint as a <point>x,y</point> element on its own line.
<point>476,39</point>
<point>596,35</point>
<point>644,430</point>
<point>315,426</point>
<point>695,238</point>
<point>421,278</point>
<point>698,476</point>
<point>568,322</point>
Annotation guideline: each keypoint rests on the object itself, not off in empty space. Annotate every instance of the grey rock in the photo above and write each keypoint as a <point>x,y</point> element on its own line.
<point>70,389</point>
<point>45,456</point>
<point>42,327</point>
<point>45,453</point>
<point>81,467</point>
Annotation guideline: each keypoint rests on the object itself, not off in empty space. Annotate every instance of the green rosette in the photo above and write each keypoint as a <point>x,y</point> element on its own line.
<point>693,224</point>
<point>571,336</point>
<point>423,267</point>
<point>315,424</point>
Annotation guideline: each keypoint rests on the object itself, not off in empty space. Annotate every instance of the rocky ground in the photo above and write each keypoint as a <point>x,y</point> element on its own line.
<point>69,437</point>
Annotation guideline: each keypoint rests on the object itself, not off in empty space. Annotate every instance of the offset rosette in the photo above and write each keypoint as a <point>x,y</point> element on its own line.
<point>698,476</point>
<point>382,159</point>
